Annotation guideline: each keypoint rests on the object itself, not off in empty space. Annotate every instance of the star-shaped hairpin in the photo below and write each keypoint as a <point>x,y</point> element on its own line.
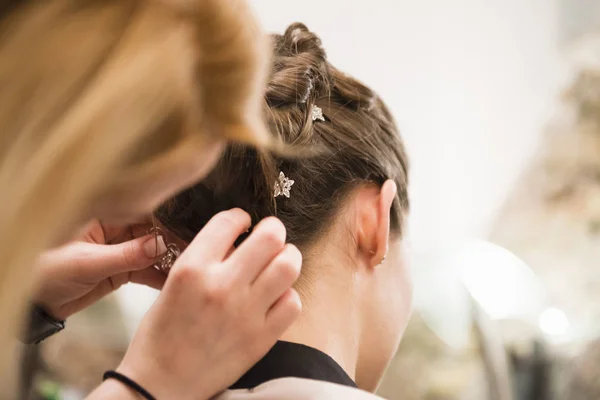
<point>282,186</point>
<point>317,113</point>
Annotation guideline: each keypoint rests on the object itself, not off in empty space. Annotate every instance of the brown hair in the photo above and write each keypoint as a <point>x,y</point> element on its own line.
<point>358,143</point>
<point>99,93</point>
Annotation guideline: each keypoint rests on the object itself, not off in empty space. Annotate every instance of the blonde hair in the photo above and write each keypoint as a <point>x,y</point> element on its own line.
<point>98,93</point>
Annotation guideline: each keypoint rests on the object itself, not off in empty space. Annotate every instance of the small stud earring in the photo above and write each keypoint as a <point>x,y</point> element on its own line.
<point>382,259</point>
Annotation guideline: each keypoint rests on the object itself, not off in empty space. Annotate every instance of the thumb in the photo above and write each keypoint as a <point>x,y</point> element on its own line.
<point>132,255</point>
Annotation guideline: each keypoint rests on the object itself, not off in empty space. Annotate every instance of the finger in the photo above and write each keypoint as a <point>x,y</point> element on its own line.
<point>283,313</point>
<point>149,276</point>
<point>279,276</point>
<point>117,234</point>
<point>133,255</point>
<point>215,240</point>
<point>264,243</point>
<point>139,230</point>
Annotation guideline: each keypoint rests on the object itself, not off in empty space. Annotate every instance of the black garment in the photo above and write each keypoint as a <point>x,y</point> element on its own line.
<point>292,360</point>
<point>41,325</point>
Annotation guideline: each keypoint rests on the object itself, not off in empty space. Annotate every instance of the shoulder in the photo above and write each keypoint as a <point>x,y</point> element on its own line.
<point>297,389</point>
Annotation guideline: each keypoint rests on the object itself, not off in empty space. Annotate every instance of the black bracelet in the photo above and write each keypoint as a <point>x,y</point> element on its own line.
<point>129,383</point>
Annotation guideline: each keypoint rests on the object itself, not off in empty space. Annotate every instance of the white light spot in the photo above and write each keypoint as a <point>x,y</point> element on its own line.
<point>554,322</point>
<point>501,283</point>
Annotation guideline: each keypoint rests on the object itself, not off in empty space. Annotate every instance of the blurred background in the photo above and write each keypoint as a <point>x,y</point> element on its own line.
<point>499,104</point>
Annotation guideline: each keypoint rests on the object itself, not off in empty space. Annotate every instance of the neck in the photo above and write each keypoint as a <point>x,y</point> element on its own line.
<point>330,320</point>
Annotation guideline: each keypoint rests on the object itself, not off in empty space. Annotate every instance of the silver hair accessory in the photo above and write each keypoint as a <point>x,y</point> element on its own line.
<point>317,113</point>
<point>165,263</point>
<point>282,186</point>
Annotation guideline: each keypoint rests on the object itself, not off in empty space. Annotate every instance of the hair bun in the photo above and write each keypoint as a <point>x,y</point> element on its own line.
<point>299,69</point>
<point>297,39</point>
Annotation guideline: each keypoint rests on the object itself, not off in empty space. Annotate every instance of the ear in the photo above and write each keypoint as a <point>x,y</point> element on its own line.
<point>374,223</point>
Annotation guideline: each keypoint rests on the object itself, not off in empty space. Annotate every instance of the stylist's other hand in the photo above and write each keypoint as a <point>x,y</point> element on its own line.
<point>219,312</point>
<point>79,273</point>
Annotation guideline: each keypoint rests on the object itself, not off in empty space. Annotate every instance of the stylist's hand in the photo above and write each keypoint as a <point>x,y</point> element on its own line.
<point>219,312</point>
<point>81,272</point>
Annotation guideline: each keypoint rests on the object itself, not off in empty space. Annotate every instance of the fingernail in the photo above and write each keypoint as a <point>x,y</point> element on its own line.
<point>154,246</point>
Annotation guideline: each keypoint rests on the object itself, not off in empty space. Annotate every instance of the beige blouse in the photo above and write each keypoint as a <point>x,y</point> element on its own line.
<point>297,389</point>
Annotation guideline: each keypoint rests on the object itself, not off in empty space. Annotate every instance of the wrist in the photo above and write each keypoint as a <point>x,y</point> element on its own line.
<point>160,384</point>
<point>112,389</point>
<point>40,325</point>
<point>144,375</point>
<point>52,312</point>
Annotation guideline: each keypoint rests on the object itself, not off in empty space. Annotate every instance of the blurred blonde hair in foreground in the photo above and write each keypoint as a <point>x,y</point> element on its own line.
<point>98,94</point>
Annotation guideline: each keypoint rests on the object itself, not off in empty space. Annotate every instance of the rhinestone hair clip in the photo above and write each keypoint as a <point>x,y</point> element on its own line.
<point>166,261</point>
<point>316,113</point>
<point>282,186</point>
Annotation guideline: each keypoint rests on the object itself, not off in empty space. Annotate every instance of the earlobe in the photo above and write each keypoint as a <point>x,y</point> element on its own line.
<point>386,199</point>
<point>374,253</point>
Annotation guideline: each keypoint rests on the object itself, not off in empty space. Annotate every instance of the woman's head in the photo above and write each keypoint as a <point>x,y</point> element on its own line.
<point>357,145</point>
<point>142,93</point>
<point>108,107</point>
<point>349,197</point>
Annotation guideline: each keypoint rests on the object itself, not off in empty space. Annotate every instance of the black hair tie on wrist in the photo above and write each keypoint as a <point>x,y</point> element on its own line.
<point>129,383</point>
